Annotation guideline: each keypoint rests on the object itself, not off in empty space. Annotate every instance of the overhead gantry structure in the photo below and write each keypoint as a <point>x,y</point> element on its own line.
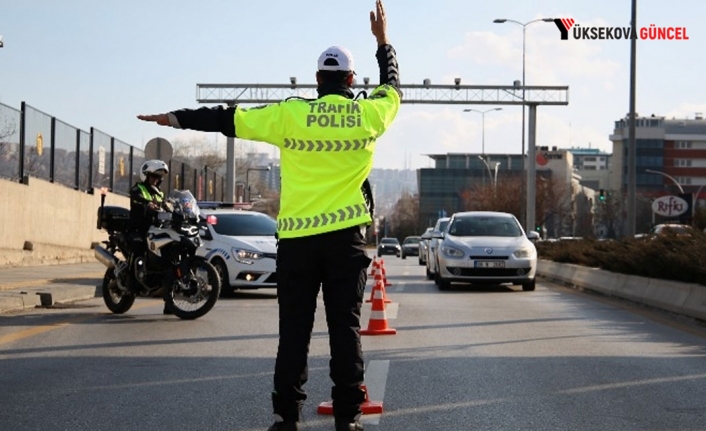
<point>426,94</point>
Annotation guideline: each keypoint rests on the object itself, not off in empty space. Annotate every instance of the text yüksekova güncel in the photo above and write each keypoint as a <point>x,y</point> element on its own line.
<point>646,33</point>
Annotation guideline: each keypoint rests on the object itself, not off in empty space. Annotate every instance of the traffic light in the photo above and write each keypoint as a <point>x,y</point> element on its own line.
<point>601,195</point>
<point>538,228</point>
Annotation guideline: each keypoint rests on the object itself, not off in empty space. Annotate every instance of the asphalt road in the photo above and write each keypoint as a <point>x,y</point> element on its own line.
<point>491,358</point>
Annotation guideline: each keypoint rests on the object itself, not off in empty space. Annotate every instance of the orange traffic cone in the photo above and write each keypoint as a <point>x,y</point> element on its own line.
<point>384,273</point>
<point>368,407</point>
<point>375,266</point>
<point>377,325</point>
<point>378,283</point>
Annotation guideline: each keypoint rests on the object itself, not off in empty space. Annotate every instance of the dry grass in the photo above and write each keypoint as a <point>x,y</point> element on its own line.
<point>669,257</point>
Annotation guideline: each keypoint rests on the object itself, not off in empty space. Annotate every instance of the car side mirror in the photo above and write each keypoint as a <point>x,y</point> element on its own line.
<point>438,235</point>
<point>533,236</point>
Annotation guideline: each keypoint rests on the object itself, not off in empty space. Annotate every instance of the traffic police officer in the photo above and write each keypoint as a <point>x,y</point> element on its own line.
<point>146,200</point>
<point>327,147</point>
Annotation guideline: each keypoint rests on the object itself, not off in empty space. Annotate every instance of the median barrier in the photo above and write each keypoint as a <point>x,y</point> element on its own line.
<point>634,289</point>
<point>605,282</point>
<point>687,299</point>
<point>669,295</point>
<point>695,304</point>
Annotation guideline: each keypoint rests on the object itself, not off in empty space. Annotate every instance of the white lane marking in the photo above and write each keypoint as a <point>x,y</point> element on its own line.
<point>375,380</point>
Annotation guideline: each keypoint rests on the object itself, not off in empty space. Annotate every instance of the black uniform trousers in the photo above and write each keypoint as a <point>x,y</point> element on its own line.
<point>337,263</point>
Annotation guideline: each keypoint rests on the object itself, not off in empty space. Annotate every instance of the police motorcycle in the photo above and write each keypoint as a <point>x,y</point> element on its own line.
<point>170,269</point>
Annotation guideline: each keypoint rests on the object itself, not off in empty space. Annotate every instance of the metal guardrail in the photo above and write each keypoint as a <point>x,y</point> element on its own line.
<point>36,144</point>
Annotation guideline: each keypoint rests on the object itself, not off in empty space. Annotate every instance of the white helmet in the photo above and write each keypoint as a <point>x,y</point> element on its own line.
<point>153,167</point>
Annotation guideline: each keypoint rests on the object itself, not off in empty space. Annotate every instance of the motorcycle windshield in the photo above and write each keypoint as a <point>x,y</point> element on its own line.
<point>185,203</point>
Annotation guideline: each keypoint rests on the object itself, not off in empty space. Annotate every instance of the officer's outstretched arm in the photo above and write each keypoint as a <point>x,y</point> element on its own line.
<point>216,119</point>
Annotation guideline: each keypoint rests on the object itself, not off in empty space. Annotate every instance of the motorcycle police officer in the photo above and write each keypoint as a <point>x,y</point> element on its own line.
<point>146,200</point>
<point>327,148</point>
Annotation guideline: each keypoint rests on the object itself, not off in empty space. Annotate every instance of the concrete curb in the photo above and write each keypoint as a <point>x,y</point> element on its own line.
<point>687,299</point>
<point>14,285</point>
<point>45,296</point>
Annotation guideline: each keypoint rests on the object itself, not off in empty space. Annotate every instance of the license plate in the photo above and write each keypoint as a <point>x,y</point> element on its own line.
<point>489,264</point>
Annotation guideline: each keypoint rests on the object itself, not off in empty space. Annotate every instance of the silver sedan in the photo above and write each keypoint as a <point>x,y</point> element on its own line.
<point>485,247</point>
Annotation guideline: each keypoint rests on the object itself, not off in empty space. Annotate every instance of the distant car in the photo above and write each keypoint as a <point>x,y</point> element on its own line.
<point>243,248</point>
<point>431,262</point>
<point>486,247</point>
<point>424,245</point>
<point>410,247</point>
<point>389,246</point>
<point>675,228</point>
<point>667,229</point>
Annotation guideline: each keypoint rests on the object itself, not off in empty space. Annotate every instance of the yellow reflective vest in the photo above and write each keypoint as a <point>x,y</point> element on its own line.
<point>326,148</point>
<point>159,197</point>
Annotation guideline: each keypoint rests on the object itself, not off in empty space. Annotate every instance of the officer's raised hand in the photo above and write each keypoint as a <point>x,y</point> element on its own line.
<point>378,23</point>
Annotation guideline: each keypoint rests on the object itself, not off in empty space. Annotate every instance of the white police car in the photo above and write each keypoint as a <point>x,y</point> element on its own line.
<point>241,245</point>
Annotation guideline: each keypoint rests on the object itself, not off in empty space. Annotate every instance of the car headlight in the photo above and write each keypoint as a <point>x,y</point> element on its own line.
<point>450,251</point>
<point>246,256</point>
<point>523,253</point>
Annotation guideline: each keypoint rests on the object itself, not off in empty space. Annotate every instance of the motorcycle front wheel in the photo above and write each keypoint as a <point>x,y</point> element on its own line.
<point>115,299</point>
<point>195,293</point>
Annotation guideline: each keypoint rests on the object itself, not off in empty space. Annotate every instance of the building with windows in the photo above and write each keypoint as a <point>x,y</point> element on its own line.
<point>676,148</point>
<point>440,187</point>
<point>670,157</point>
<point>566,206</point>
<point>592,165</point>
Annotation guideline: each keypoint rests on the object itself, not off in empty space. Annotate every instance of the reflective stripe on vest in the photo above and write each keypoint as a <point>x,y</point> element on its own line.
<point>337,145</point>
<point>147,195</point>
<point>348,213</point>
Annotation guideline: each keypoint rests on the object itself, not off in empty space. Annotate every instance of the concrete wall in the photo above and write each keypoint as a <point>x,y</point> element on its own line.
<point>44,223</point>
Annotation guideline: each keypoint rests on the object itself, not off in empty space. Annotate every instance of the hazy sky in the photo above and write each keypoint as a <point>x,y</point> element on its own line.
<point>100,63</point>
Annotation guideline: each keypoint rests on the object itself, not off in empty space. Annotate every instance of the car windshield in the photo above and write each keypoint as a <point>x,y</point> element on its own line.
<point>245,224</point>
<point>485,226</point>
<point>412,240</point>
<point>442,225</point>
<point>390,241</point>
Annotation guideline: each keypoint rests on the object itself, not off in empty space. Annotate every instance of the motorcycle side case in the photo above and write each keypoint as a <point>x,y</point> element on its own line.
<point>113,218</point>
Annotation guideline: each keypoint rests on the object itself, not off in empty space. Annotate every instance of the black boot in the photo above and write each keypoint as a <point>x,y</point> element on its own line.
<point>287,415</point>
<point>348,425</point>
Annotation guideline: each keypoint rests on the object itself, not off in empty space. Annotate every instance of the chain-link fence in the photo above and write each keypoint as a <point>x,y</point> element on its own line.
<point>36,144</point>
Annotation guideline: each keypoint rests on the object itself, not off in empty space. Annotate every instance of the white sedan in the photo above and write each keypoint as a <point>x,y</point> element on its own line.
<point>485,247</point>
<point>243,248</point>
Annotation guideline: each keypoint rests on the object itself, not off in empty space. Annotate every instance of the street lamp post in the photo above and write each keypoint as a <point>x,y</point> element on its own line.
<point>696,195</point>
<point>247,174</point>
<point>493,179</point>
<point>524,28</point>
<point>681,189</point>
<point>482,113</point>
<point>490,175</point>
